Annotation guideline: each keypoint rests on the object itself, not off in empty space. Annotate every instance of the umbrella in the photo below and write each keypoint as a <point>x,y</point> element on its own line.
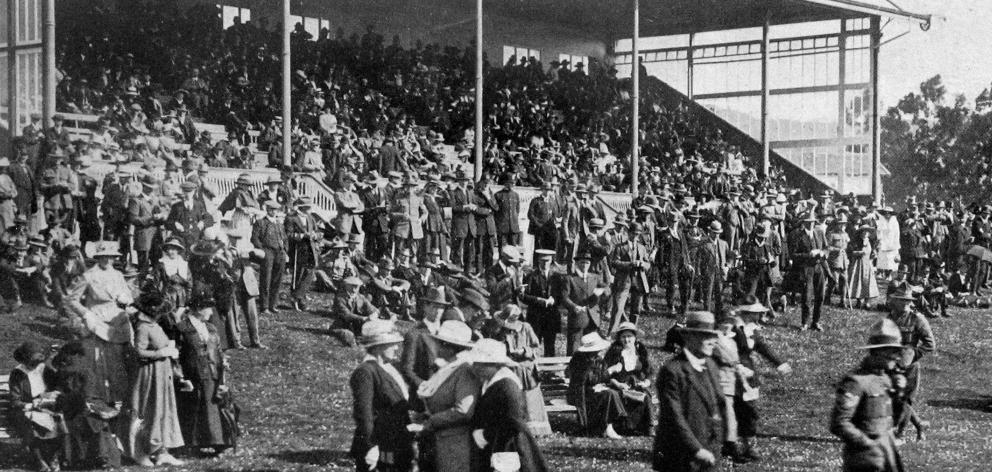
<point>981,253</point>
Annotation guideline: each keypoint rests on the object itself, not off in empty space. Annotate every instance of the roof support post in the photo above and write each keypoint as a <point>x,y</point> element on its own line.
<point>765,138</point>
<point>689,60</point>
<point>287,89</point>
<point>478,89</point>
<point>48,68</point>
<point>635,126</point>
<point>876,128</point>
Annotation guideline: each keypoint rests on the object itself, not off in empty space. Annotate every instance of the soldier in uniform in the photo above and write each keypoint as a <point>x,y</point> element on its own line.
<point>408,213</point>
<point>917,341</point>
<point>862,413</point>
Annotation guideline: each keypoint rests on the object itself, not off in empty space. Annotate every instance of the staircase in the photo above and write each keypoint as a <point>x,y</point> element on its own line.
<point>794,174</point>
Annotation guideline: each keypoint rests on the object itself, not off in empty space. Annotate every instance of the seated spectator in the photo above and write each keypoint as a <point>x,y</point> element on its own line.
<point>32,413</point>
<point>630,371</point>
<point>600,407</point>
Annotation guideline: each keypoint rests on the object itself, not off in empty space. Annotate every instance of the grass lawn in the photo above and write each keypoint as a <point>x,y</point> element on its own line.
<point>296,405</point>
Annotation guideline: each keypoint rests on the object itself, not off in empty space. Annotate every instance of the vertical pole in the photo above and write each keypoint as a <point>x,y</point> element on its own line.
<point>688,87</point>
<point>841,105</point>
<point>765,138</point>
<point>635,125</point>
<point>12,119</point>
<point>876,141</point>
<point>287,89</point>
<point>478,89</point>
<point>48,70</point>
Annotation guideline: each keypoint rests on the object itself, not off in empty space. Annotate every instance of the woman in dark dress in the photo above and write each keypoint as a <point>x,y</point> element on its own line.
<point>599,406</point>
<point>382,440</point>
<point>500,421</point>
<point>201,418</point>
<point>32,403</point>
<point>630,373</point>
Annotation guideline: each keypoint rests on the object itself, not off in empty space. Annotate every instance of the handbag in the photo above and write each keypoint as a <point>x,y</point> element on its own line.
<point>505,462</point>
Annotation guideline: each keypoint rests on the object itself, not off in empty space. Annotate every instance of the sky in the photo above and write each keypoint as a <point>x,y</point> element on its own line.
<point>958,46</point>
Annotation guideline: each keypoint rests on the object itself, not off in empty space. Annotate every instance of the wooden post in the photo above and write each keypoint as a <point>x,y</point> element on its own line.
<point>48,68</point>
<point>287,89</point>
<point>478,89</point>
<point>876,123</point>
<point>635,126</point>
<point>765,138</point>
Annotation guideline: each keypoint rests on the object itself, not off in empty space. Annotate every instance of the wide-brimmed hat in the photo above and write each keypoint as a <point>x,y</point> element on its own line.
<point>353,281</point>
<point>176,243</point>
<point>454,332</point>
<point>636,228</point>
<point>188,186</point>
<point>435,296</point>
<point>272,204</point>
<point>620,220</point>
<point>379,332</point>
<point>243,179</point>
<point>510,254</point>
<point>597,223</point>
<point>204,248</point>
<point>716,227</point>
<point>884,333</point>
<point>627,326</point>
<point>153,304</point>
<point>700,322</point>
<point>592,342</point>
<point>107,249</point>
<point>490,351</point>
<point>809,217</point>
<point>472,296</point>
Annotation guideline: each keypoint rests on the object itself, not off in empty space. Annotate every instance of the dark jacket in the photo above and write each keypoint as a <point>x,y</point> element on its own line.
<point>689,415</point>
<point>486,207</point>
<point>501,416</point>
<point>462,219</point>
<point>862,418</point>
<point>419,354</point>
<point>381,413</point>
<point>508,215</point>
<point>544,319</point>
<point>189,218</point>
<point>581,302</point>
<point>268,235</point>
<point>541,216</point>
<point>746,352</point>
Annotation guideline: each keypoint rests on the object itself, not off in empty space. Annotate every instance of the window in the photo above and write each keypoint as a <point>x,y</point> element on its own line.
<point>310,25</point>
<point>510,51</point>
<point>573,60</point>
<point>229,13</point>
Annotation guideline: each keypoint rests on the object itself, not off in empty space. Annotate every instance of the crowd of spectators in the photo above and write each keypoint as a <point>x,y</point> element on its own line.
<point>351,93</point>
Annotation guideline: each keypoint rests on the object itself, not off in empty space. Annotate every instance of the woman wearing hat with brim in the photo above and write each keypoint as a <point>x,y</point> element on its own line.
<point>500,424</point>
<point>172,273</point>
<point>450,397</point>
<point>629,366</point>
<point>152,408</point>
<point>861,415</point>
<point>380,395</point>
<point>862,285</point>
<point>522,345</point>
<point>599,407</point>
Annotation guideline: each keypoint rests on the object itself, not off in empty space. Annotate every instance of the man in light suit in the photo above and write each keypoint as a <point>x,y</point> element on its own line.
<point>408,215</point>
<point>189,217</point>
<point>713,272</point>
<point>507,214</point>
<point>463,229</point>
<point>145,215</point>
<point>581,296</point>
<point>808,249</point>
<point>350,207</point>
<point>690,413</point>
<point>631,261</point>
<point>303,232</point>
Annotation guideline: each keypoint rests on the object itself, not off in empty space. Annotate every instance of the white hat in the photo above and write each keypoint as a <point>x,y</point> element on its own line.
<point>455,332</point>
<point>490,351</point>
<point>511,253</point>
<point>592,342</point>
<point>378,332</point>
<point>4,162</point>
<point>106,249</point>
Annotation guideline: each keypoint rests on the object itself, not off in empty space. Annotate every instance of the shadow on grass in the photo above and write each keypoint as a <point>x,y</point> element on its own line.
<point>314,457</point>
<point>797,438</point>
<point>611,454</point>
<point>977,403</point>
<point>322,332</point>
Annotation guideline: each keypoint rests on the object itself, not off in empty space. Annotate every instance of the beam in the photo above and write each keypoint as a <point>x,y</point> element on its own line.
<point>876,122</point>
<point>876,11</point>
<point>48,67</point>
<point>635,125</point>
<point>287,89</point>
<point>478,89</point>
<point>765,53</point>
<point>689,65</point>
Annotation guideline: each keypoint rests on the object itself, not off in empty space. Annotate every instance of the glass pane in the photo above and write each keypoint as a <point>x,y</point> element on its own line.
<point>245,15</point>
<point>3,23</point>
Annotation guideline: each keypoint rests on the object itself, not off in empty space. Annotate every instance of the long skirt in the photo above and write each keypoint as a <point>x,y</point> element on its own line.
<point>603,409</point>
<point>200,416</point>
<point>639,420</point>
<point>861,281</point>
<point>887,260</point>
<point>537,417</point>
<point>109,366</point>
<point>153,416</point>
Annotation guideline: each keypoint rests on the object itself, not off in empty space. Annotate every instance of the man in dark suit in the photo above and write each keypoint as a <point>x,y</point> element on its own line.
<point>303,232</point>
<point>713,268</point>
<point>541,216</point>
<point>508,213</point>
<point>23,177</point>
<point>542,308</point>
<point>269,236</point>
<point>485,222</point>
<point>376,221</point>
<point>435,229</point>
<point>503,279</point>
<point>463,228</point>
<point>189,216</point>
<point>388,157</point>
<point>674,262</point>
<point>808,249</point>
<point>581,296</point>
<point>690,423</point>
<point>419,346</point>
<point>631,261</point>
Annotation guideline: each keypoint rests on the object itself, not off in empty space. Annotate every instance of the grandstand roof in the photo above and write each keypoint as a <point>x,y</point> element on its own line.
<point>668,17</point>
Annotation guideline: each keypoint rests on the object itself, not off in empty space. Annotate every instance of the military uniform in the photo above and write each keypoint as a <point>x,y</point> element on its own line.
<point>862,418</point>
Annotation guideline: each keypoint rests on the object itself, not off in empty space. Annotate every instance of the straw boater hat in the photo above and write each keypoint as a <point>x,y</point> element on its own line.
<point>627,326</point>
<point>379,332</point>
<point>107,249</point>
<point>353,281</point>
<point>544,253</point>
<point>490,351</point>
<point>272,204</point>
<point>592,342</point>
<point>174,242</point>
<point>884,333</point>
<point>243,179</point>
<point>454,332</point>
<point>700,322</point>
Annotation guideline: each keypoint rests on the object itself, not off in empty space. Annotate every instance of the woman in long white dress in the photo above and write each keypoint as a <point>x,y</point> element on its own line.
<point>888,241</point>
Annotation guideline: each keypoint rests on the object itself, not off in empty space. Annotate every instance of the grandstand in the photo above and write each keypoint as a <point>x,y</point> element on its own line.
<point>806,101</point>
